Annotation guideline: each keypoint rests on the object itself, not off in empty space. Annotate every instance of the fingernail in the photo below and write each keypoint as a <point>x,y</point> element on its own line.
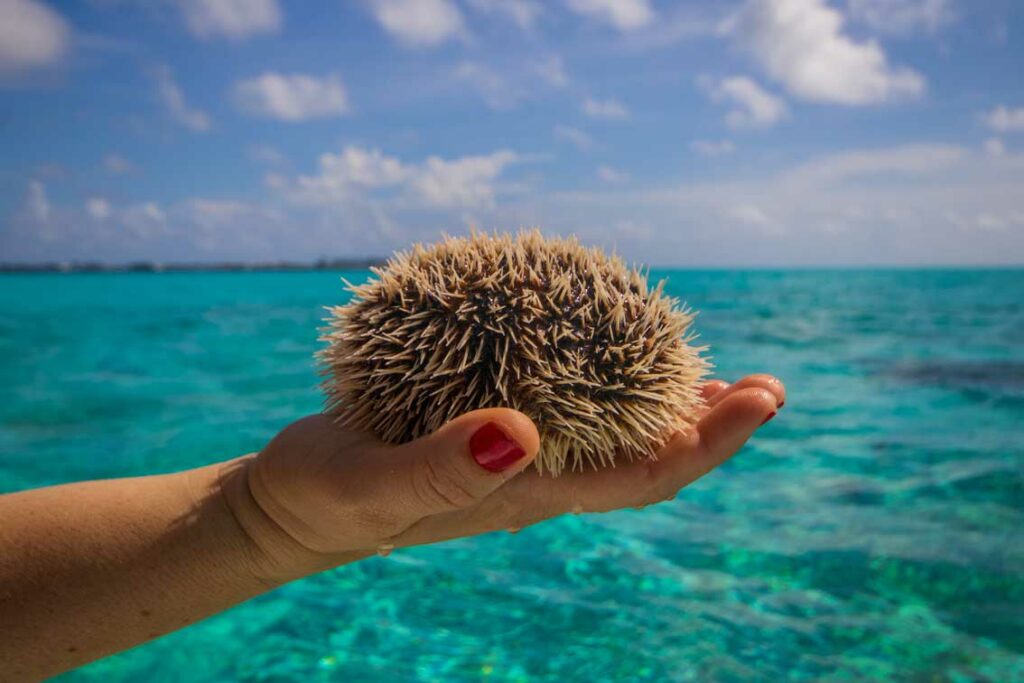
<point>770,416</point>
<point>493,450</point>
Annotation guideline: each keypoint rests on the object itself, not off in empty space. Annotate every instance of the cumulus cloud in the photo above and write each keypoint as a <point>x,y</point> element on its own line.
<point>466,181</point>
<point>31,35</point>
<point>902,16</point>
<point>924,203</point>
<point>575,136</point>
<point>907,204</point>
<point>419,23</point>
<point>801,44</point>
<point>234,19</point>
<point>292,97</point>
<point>173,99</point>
<point>1005,119</point>
<point>436,183</point>
<point>713,148</point>
<point>605,109</point>
<point>752,105</point>
<point>624,15</point>
<point>523,13</point>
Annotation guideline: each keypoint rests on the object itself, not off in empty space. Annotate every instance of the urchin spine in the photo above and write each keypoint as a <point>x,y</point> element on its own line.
<point>568,335</point>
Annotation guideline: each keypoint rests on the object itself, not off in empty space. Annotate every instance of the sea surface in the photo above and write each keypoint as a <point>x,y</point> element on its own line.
<point>873,531</point>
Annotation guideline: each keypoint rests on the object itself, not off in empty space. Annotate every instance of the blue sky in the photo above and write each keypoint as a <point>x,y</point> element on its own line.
<point>745,132</point>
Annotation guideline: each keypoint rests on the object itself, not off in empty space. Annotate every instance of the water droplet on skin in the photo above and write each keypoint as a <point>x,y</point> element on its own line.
<point>577,509</point>
<point>514,529</point>
<point>385,549</point>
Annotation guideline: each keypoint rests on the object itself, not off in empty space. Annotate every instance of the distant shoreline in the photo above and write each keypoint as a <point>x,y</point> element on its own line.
<point>224,267</point>
<point>75,267</point>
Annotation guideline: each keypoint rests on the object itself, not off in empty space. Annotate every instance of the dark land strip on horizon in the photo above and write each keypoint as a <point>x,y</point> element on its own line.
<point>156,267</point>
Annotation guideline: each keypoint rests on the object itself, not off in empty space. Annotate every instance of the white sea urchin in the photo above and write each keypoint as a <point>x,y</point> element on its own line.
<point>568,335</point>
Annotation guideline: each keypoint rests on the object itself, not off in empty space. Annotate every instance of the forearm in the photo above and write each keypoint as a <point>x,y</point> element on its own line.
<point>92,568</point>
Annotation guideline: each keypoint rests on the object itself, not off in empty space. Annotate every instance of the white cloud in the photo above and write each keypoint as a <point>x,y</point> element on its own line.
<point>907,204</point>
<point>37,205</point>
<point>624,15</point>
<point>753,106</point>
<point>801,44</point>
<point>439,183</point>
<point>419,23</point>
<point>713,148</point>
<point>748,214</point>
<point>605,109</point>
<point>552,71</point>
<point>115,163</point>
<point>496,91</point>
<point>98,208</point>
<point>31,35</point>
<point>907,160</point>
<point>504,87</point>
<point>611,175</point>
<point>1005,119</point>
<point>173,100</point>
<point>292,97</point>
<point>266,154</point>
<point>466,181</point>
<point>926,203</point>
<point>902,16</point>
<point>210,213</point>
<point>368,169</point>
<point>577,137</point>
<point>994,147</point>
<point>523,13</point>
<point>235,19</point>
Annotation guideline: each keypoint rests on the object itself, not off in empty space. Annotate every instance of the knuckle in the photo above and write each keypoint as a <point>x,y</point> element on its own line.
<point>508,513</point>
<point>440,485</point>
<point>378,521</point>
<point>657,487</point>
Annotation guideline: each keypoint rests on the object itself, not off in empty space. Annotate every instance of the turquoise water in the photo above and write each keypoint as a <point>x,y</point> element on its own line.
<point>874,530</point>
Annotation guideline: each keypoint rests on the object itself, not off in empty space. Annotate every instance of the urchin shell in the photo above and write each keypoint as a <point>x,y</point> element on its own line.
<point>568,335</point>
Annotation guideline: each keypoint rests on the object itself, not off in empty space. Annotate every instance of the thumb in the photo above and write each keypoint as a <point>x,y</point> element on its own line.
<point>467,459</point>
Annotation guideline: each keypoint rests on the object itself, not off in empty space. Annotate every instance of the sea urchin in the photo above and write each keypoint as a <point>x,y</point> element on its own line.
<point>567,335</point>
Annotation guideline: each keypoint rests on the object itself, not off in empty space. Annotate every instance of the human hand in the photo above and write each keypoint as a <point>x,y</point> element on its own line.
<point>319,495</point>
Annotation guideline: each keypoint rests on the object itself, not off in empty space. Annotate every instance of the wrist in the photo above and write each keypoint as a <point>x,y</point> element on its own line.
<point>273,556</point>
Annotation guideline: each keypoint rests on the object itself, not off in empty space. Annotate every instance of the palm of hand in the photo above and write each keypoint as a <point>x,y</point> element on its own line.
<point>335,491</point>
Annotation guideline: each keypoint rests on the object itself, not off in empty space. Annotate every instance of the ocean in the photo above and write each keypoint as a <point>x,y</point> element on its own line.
<point>874,530</point>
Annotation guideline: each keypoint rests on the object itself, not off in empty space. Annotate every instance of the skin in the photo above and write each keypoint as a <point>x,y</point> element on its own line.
<point>92,568</point>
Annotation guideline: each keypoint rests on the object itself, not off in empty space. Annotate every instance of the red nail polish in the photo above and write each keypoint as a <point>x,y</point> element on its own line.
<point>770,416</point>
<point>782,403</point>
<point>493,450</point>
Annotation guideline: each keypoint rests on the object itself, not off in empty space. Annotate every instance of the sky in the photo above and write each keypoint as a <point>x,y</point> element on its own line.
<point>704,134</point>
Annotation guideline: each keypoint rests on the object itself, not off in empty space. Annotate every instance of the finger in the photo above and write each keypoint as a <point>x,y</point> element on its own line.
<point>712,387</point>
<point>757,381</point>
<point>532,497</point>
<point>689,455</point>
<point>464,461</point>
<point>720,434</point>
